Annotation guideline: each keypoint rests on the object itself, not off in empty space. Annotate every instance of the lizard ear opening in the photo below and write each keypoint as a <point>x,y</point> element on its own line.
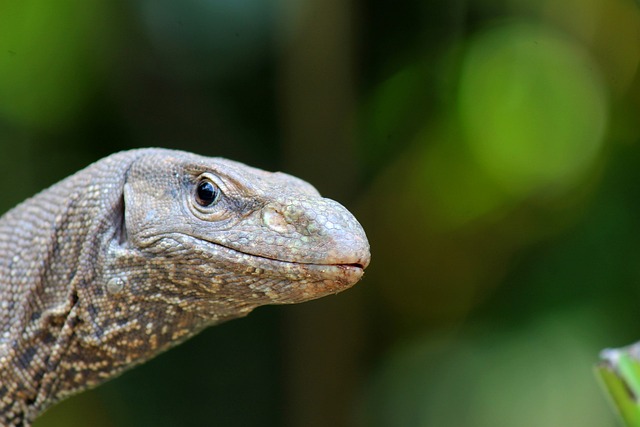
<point>121,224</point>
<point>121,217</point>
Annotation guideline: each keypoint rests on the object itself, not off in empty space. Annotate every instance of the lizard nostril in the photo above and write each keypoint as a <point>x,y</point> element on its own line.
<point>274,220</point>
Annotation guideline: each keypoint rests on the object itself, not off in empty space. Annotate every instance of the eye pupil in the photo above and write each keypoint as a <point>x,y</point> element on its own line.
<point>206,193</point>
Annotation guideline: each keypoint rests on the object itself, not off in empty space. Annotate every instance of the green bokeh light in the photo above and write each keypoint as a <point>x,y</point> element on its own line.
<point>532,106</point>
<point>49,55</point>
<point>536,375</point>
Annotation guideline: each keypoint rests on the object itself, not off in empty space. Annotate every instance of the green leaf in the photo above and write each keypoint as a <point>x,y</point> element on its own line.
<point>619,374</point>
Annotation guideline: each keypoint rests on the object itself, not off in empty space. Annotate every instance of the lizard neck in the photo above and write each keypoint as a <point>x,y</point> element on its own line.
<point>47,249</point>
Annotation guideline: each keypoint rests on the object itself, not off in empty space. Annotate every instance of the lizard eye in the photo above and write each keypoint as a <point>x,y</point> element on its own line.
<point>207,193</point>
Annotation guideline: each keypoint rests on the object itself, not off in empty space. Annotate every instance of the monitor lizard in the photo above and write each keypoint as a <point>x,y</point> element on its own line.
<point>143,249</point>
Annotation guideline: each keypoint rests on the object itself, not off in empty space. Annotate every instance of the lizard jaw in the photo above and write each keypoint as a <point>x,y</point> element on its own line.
<point>281,281</point>
<point>353,271</point>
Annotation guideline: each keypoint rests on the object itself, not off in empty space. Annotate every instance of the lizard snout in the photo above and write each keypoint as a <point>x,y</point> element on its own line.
<point>319,231</point>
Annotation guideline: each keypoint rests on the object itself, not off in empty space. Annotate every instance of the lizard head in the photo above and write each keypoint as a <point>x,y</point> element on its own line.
<point>236,236</point>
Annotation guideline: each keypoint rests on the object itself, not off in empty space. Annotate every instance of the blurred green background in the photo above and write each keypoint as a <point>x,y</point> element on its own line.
<point>490,148</point>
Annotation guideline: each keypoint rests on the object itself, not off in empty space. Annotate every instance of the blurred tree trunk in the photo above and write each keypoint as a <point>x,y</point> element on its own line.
<point>324,338</point>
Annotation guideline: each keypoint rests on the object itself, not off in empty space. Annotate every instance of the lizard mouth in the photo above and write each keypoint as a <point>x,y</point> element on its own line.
<point>345,273</point>
<point>359,265</point>
<point>349,266</point>
<point>297,281</point>
<point>279,281</point>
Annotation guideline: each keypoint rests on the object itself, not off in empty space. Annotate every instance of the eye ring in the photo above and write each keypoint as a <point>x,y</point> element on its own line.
<point>207,193</point>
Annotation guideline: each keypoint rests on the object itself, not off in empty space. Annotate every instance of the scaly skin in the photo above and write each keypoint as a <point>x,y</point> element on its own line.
<point>145,248</point>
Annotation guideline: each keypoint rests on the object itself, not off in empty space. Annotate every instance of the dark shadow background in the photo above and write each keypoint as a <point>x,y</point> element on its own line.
<point>489,148</point>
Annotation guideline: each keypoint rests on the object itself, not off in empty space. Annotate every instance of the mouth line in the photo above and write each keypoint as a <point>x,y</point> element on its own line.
<point>343,266</point>
<point>353,264</point>
<point>310,264</point>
